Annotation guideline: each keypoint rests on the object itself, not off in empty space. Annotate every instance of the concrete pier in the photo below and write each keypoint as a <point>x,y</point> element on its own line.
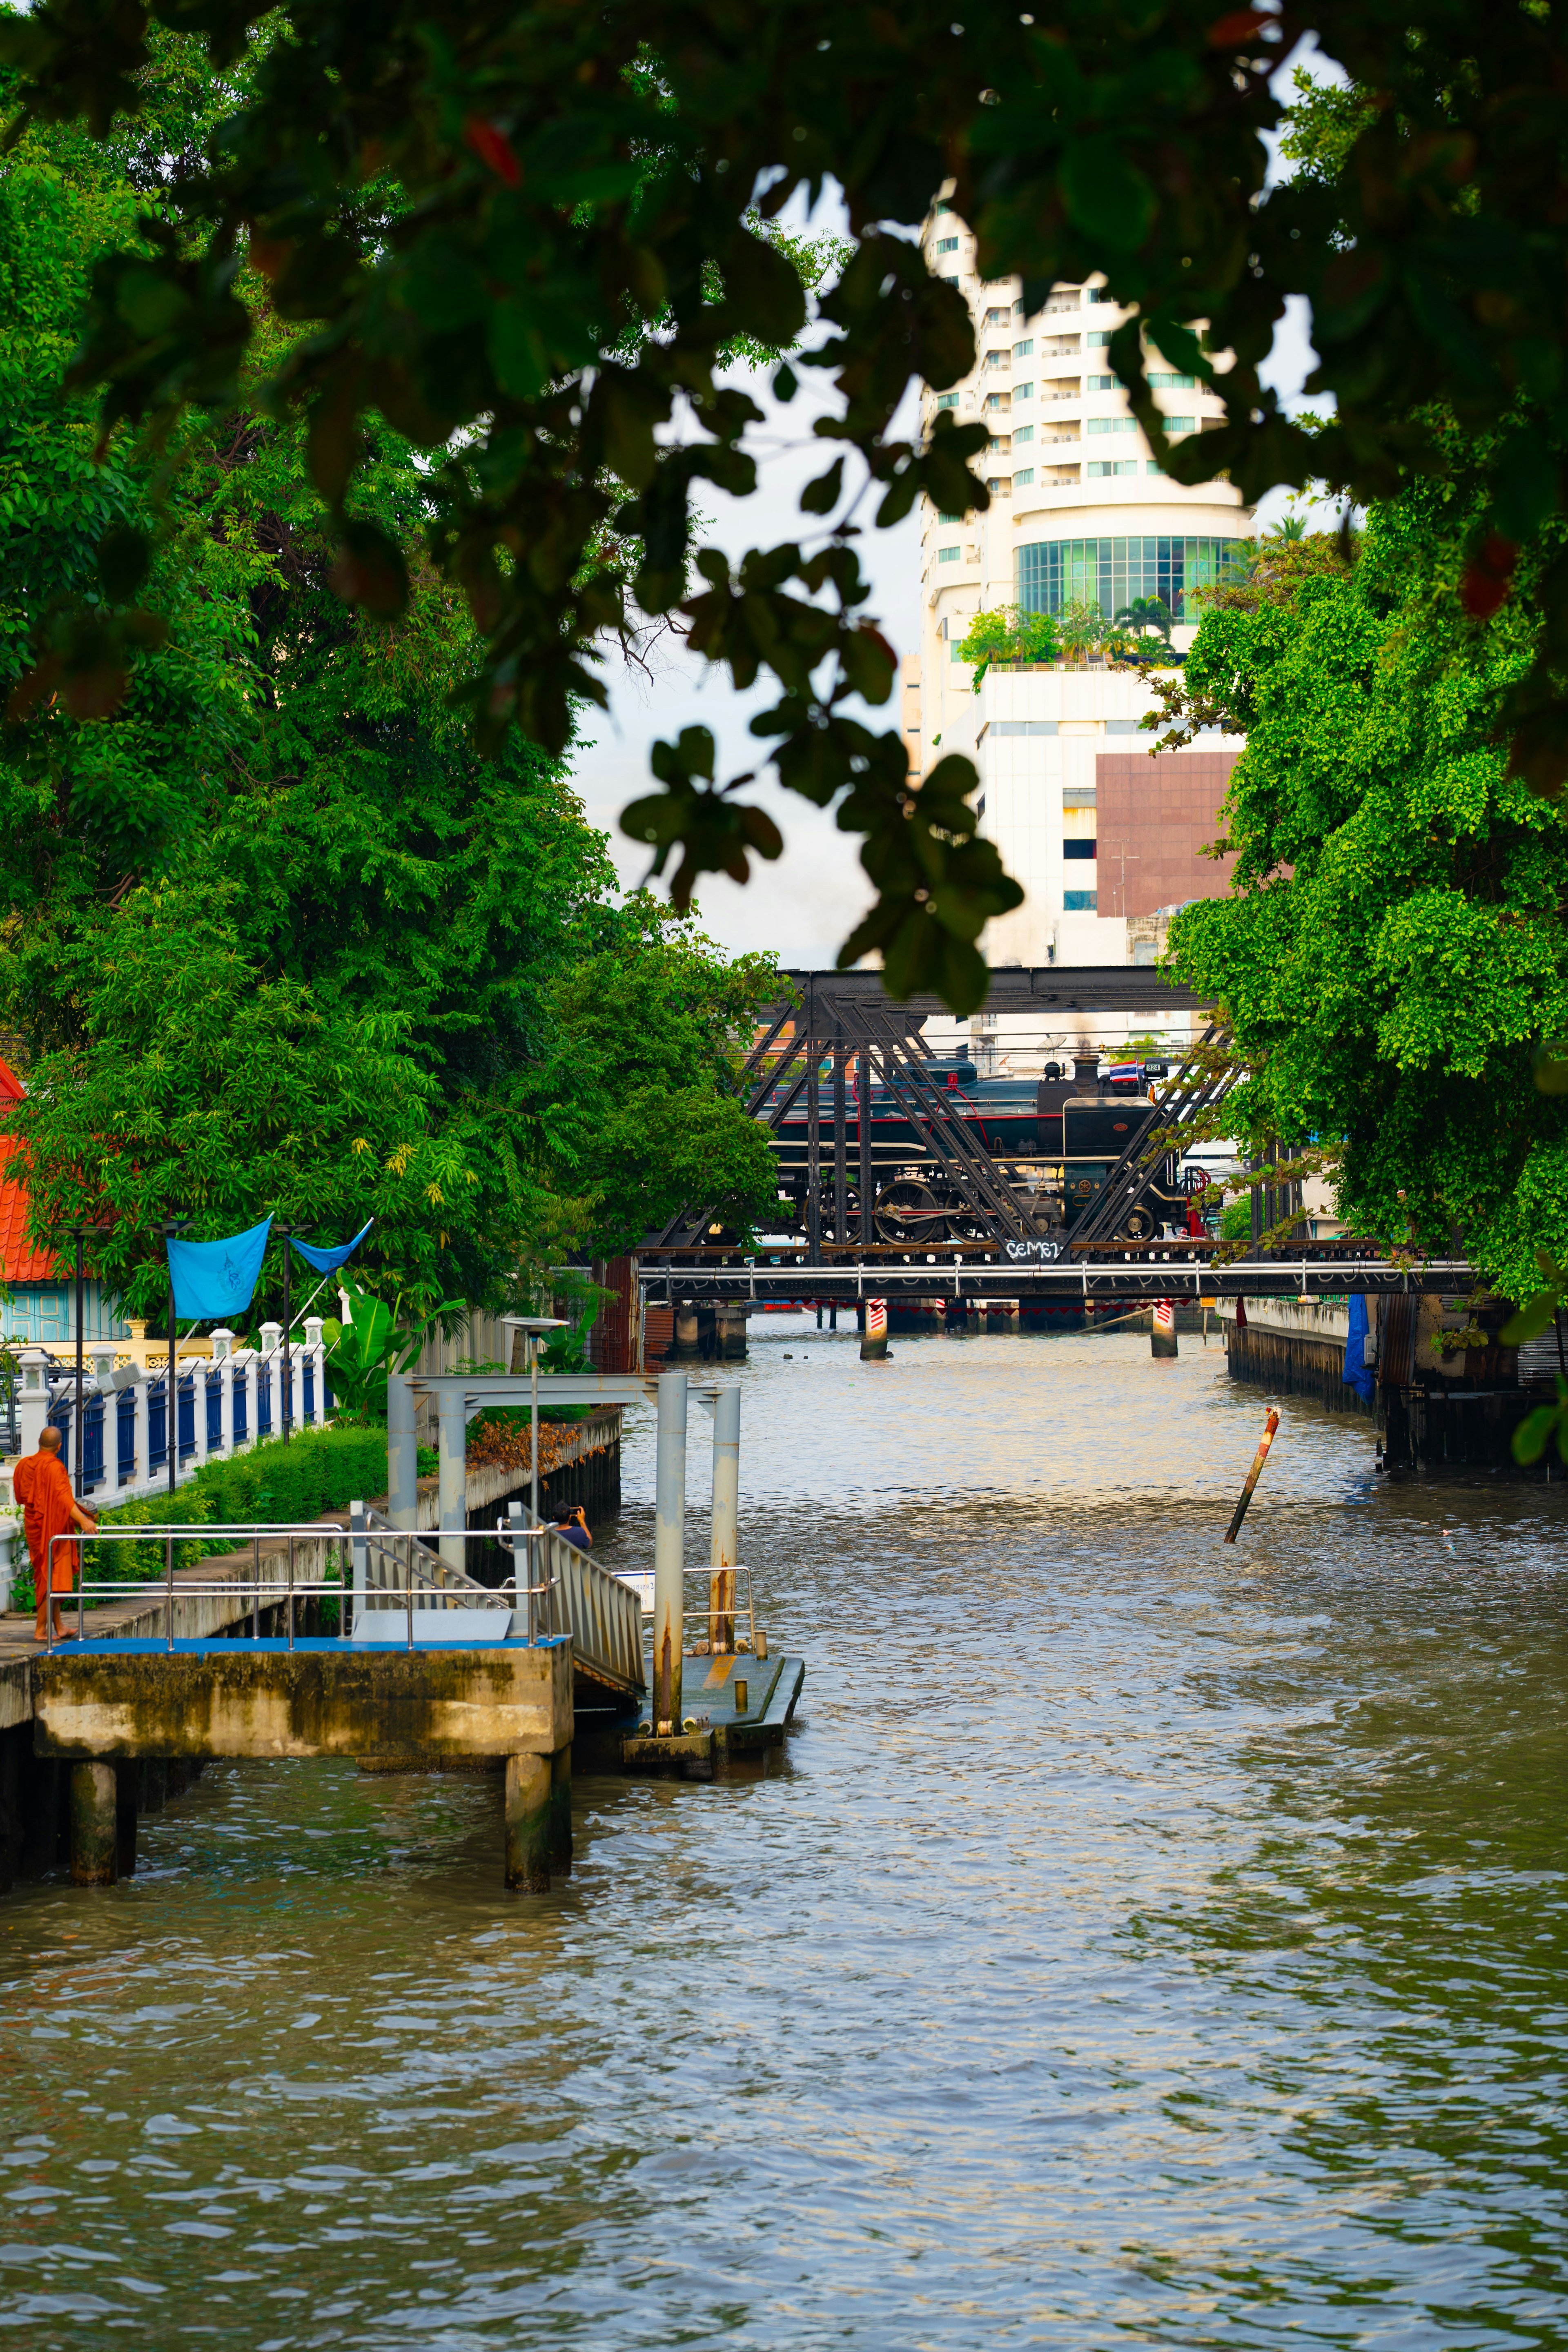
<point>94,1824</point>
<point>529,1822</point>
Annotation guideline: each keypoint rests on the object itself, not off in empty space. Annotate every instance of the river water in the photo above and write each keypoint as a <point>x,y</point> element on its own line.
<point>1144,1942</point>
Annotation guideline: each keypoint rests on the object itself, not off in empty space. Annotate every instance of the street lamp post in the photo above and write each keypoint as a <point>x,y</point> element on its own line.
<point>173,1228</point>
<point>283,1234</point>
<point>79,1233</point>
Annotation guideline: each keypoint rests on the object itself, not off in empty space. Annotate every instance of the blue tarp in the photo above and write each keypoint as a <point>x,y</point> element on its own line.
<point>327,1261</point>
<point>1359,1374</point>
<point>216,1280</point>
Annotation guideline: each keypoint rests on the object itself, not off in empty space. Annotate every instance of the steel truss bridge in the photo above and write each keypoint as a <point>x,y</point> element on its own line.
<point>845,1016</point>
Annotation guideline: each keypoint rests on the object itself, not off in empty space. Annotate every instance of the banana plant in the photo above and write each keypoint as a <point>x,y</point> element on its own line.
<point>363,1351</point>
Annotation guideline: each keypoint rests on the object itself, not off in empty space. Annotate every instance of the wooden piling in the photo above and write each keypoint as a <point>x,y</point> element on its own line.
<point>94,1824</point>
<point>530,1821</point>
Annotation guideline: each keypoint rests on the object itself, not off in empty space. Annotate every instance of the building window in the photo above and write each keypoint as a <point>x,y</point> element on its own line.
<point>999,317</point>
<point>1114,424</point>
<point>1124,727</point>
<point>941,518</point>
<point>947,399</point>
<point>958,647</point>
<point>1163,381</point>
<point>1079,848</point>
<point>1101,468</point>
<point>997,487</point>
<point>1022,726</point>
<point>947,245</point>
<point>1022,391</point>
<point>1023,477</point>
<point>1154,467</point>
<point>1079,902</point>
<point>998,358</point>
<point>1105,384</point>
<point>1112,572</point>
<point>1024,350</point>
<point>1101,294</point>
<point>1100,339</point>
<point>947,555</point>
<point>1180,424</point>
<point>1025,432</point>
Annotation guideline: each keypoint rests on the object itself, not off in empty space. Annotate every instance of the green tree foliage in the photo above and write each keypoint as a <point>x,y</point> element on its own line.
<point>1394,954</point>
<point>471,208</point>
<point>657,1041</point>
<point>1009,634</point>
<point>276,934</point>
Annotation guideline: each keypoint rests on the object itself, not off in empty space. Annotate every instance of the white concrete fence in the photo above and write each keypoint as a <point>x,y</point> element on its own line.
<point>235,1396</point>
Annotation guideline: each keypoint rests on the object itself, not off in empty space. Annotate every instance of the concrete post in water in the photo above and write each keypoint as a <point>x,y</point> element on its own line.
<point>402,1453</point>
<point>452,1442</point>
<point>127,1791</point>
<point>874,1339</point>
<point>730,1334</point>
<point>668,1554</point>
<point>1258,1459</point>
<point>94,1824</point>
<point>1163,1328</point>
<point>529,1782</point>
<point>561,1811</point>
<point>687,1348</point>
<point>725,1547</point>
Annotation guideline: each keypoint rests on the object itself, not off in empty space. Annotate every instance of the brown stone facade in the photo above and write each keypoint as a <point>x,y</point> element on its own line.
<point>1152,816</point>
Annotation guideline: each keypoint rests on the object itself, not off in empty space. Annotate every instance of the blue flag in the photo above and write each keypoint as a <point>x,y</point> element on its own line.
<point>1358,1372</point>
<point>327,1261</point>
<point>214,1280</point>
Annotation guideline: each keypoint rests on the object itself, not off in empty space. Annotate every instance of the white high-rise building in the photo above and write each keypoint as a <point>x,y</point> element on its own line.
<point>1102,839</point>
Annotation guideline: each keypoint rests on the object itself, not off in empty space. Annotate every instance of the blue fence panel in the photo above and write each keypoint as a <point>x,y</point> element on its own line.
<point>263,1401</point>
<point>158,1424</point>
<point>125,1437</point>
<point>309,1390</point>
<point>92,1443</point>
<point>214,1413</point>
<point>186,1389</point>
<point>241,1434</point>
<point>326,1393</point>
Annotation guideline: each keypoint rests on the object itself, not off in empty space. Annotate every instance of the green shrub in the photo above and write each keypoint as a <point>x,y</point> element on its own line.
<point>273,1485</point>
<point>1236,1224</point>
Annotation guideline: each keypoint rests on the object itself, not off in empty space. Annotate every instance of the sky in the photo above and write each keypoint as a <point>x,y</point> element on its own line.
<point>801,908</point>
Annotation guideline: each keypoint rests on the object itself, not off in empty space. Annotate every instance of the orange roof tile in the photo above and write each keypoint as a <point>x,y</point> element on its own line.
<point>19,1261</point>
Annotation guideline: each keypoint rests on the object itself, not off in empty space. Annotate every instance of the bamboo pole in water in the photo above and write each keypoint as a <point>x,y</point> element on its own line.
<point>1258,1459</point>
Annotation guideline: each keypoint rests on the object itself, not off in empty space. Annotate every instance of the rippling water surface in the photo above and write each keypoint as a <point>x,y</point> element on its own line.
<point>1143,1942</point>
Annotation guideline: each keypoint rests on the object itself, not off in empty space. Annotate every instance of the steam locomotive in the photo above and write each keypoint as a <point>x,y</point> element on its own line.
<point>1053,1142</point>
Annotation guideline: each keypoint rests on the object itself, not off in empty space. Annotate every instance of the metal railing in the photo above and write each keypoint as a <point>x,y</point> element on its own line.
<point>561,1590</point>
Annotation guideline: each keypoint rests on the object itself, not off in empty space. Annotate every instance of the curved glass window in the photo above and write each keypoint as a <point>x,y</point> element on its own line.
<point>1114,573</point>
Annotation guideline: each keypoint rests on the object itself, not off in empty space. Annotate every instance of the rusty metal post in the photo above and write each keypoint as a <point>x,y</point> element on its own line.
<point>725,1546</point>
<point>813,1132</point>
<point>670,1554</point>
<point>840,1143</point>
<point>1258,1459</point>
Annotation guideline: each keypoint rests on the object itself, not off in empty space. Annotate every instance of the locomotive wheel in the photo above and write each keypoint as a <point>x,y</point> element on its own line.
<point>1139,1226</point>
<point>965,1222</point>
<point>908,1213</point>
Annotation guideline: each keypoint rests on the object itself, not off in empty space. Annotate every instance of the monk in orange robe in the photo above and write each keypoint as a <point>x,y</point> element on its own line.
<point>41,1484</point>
